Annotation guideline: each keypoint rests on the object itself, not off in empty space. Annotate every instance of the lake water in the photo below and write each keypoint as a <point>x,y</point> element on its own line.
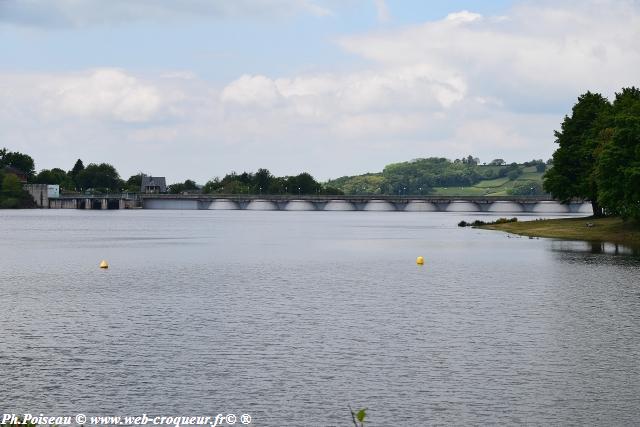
<point>293,316</point>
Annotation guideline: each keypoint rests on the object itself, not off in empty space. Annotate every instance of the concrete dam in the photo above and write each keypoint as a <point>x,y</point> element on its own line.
<point>506,204</point>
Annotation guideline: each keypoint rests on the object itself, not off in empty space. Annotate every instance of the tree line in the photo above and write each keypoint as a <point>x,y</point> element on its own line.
<point>263,182</point>
<point>418,176</point>
<point>104,178</point>
<point>598,154</point>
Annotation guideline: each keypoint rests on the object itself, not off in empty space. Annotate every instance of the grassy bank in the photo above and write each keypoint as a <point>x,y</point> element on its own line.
<point>592,229</point>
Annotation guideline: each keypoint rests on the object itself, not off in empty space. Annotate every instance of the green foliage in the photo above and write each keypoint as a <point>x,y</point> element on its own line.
<point>9,203</point>
<point>134,182</point>
<point>479,223</point>
<point>19,161</point>
<point>598,157</point>
<point>574,162</point>
<point>511,171</point>
<point>263,182</point>
<point>417,176</point>
<point>11,187</point>
<point>505,220</point>
<point>73,173</point>
<point>492,183</point>
<point>358,417</point>
<point>55,176</point>
<point>514,174</point>
<point>361,184</point>
<point>101,177</point>
<point>440,176</point>
<point>526,188</point>
<point>184,187</point>
<point>618,169</point>
<point>12,195</point>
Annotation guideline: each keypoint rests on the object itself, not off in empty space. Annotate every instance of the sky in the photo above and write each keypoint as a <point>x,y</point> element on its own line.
<point>195,89</point>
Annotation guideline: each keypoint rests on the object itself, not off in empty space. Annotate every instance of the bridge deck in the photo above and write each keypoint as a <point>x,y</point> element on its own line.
<point>350,198</point>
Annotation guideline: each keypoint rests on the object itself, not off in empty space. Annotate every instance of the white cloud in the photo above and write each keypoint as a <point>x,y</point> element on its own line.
<point>463,17</point>
<point>100,94</point>
<point>539,52</point>
<point>464,84</point>
<point>395,88</point>
<point>248,90</point>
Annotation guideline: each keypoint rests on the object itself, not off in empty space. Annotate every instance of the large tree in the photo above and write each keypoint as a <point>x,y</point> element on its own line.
<point>134,183</point>
<point>180,187</point>
<point>618,172</point>
<point>77,168</point>
<point>73,173</point>
<point>574,163</point>
<point>11,193</point>
<point>101,176</point>
<point>20,161</point>
<point>55,176</point>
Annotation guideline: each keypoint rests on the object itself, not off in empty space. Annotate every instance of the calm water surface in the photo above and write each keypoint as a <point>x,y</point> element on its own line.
<point>293,316</point>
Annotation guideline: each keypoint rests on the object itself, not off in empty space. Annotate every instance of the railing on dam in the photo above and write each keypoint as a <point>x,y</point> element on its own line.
<point>351,198</point>
<point>123,196</point>
<point>361,203</point>
<point>289,202</point>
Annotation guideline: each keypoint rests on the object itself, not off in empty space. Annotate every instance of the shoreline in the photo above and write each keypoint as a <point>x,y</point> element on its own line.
<point>591,229</point>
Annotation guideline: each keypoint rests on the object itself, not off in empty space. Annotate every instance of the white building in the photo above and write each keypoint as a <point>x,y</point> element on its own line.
<point>53,191</point>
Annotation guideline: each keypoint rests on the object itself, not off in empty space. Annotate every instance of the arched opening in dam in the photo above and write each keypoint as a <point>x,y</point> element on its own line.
<point>339,205</point>
<point>262,205</point>
<point>299,205</point>
<point>420,206</point>
<point>223,205</point>
<point>550,207</point>
<point>509,207</point>
<point>170,204</point>
<point>585,208</point>
<point>379,205</point>
<point>460,206</point>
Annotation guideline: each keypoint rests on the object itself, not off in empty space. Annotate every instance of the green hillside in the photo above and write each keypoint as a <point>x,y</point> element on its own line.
<point>439,176</point>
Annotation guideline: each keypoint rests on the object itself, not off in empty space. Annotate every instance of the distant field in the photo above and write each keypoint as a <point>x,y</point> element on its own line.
<point>532,176</point>
<point>492,183</point>
<point>493,187</point>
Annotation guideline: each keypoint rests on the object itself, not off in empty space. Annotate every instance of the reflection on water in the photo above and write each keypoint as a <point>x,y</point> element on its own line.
<point>594,247</point>
<point>293,316</point>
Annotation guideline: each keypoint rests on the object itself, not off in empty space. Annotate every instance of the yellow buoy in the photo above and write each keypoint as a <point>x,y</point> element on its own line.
<point>419,260</point>
<point>104,264</point>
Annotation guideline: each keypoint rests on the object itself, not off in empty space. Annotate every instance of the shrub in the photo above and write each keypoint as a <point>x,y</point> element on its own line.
<point>478,223</point>
<point>505,220</point>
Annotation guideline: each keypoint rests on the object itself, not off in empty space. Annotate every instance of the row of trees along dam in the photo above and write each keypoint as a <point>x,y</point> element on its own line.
<point>436,176</point>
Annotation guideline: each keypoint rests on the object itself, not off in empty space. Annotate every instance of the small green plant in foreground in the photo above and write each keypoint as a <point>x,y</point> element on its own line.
<point>358,417</point>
